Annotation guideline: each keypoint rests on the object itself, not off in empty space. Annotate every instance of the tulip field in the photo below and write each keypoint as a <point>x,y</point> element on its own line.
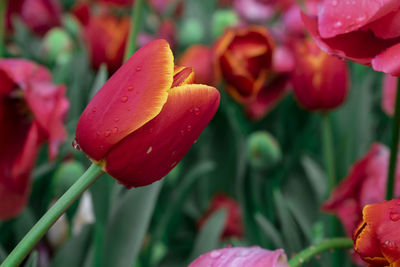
<point>212,133</point>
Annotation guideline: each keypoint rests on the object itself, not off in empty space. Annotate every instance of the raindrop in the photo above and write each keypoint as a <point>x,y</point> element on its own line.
<point>361,18</point>
<point>173,164</point>
<point>196,111</point>
<point>130,88</point>
<point>138,68</point>
<point>338,24</point>
<point>115,130</point>
<point>182,132</point>
<point>116,119</point>
<point>76,145</point>
<point>124,99</point>
<point>107,133</point>
<point>215,254</point>
<point>188,128</point>
<point>93,110</point>
<point>149,150</point>
<point>394,216</point>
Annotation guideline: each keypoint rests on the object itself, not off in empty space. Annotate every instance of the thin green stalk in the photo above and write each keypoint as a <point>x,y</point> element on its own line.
<point>50,217</point>
<point>310,252</point>
<point>3,7</point>
<point>135,22</point>
<point>329,156</point>
<point>394,148</point>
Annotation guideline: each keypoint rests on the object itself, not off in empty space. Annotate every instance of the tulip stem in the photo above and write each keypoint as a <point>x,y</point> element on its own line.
<point>135,22</point>
<point>50,217</point>
<point>394,148</point>
<point>3,7</point>
<point>310,252</point>
<point>329,157</point>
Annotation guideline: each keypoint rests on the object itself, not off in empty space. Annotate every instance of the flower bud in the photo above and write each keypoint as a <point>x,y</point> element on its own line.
<point>263,150</point>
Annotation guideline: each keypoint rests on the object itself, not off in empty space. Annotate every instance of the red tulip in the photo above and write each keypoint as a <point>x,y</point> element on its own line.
<point>377,238</point>
<point>245,58</point>
<point>199,57</point>
<point>31,111</point>
<point>364,31</point>
<point>146,117</point>
<point>389,91</point>
<point>105,37</point>
<point>320,81</point>
<point>242,256</point>
<point>233,224</point>
<point>38,15</point>
<point>365,184</point>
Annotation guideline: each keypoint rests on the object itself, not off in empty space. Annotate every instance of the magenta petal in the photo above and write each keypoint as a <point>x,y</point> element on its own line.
<point>388,61</point>
<point>387,27</point>
<point>242,256</point>
<point>338,16</point>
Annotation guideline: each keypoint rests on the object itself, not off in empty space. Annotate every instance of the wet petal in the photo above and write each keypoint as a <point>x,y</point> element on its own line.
<point>134,95</point>
<point>388,61</point>
<point>149,153</point>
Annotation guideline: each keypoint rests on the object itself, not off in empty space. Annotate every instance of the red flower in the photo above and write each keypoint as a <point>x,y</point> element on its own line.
<point>377,238</point>
<point>199,57</point>
<point>245,57</point>
<point>233,223</point>
<point>365,31</point>
<point>365,184</point>
<point>242,256</point>
<point>146,117</point>
<point>31,111</point>
<point>320,81</point>
<point>389,91</point>
<point>105,37</point>
<point>39,15</point>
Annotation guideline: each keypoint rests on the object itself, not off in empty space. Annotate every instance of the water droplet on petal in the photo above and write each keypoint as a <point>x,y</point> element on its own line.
<point>124,99</point>
<point>76,145</point>
<point>394,216</point>
<point>107,133</point>
<point>173,164</point>
<point>115,130</point>
<point>116,119</point>
<point>130,88</point>
<point>338,24</point>
<point>182,132</point>
<point>188,128</point>
<point>215,254</point>
<point>93,110</point>
<point>138,68</point>
<point>149,150</point>
<point>196,111</point>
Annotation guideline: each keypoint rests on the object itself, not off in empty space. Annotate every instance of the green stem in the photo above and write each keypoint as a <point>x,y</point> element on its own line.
<point>329,157</point>
<point>50,217</point>
<point>3,7</point>
<point>136,14</point>
<point>393,149</point>
<point>310,252</point>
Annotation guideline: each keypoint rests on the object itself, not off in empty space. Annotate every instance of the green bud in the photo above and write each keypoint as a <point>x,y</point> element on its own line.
<point>57,44</point>
<point>263,150</point>
<point>223,19</point>
<point>191,32</point>
<point>66,175</point>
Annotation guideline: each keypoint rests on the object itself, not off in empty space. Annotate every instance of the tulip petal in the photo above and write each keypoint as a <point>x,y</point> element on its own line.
<point>348,45</point>
<point>150,152</point>
<point>389,94</point>
<point>339,17</point>
<point>387,27</point>
<point>388,61</point>
<point>133,96</point>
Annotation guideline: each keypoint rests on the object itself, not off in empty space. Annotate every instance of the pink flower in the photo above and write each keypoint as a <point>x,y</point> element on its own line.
<point>242,256</point>
<point>389,94</point>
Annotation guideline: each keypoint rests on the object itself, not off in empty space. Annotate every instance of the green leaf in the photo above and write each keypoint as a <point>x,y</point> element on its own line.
<point>74,252</point>
<point>32,260</point>
<point>99,80</point>
<point>129,220</point>
<point>316,176</point>
<point>209,236</point>
<point>269,230</point>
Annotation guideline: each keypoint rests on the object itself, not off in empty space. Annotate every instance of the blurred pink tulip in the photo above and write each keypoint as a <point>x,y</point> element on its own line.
<point>242,256</point>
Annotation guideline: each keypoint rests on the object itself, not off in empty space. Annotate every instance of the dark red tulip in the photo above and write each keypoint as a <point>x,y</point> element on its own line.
<point>146,117</point>
<point>365,184</point>
<point>200,57</point>
<point>389,91</point>
<point>320,81</point>
<point>234,222</point>
<point>245,59</point>
<point>366,32</point>
<point>105,37</point>
<point>38,15</point>
<point>31,112</point>
<point>377,238</point>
